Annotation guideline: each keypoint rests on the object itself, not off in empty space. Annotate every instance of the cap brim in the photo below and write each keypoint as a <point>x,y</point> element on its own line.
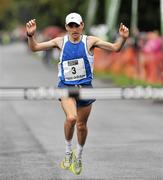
<point>73,21</point>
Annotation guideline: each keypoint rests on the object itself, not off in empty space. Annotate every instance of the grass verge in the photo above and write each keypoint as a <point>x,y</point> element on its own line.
<point>123,80</point>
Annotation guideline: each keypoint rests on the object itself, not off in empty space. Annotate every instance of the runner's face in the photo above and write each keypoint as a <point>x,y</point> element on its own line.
<point>75,30</point>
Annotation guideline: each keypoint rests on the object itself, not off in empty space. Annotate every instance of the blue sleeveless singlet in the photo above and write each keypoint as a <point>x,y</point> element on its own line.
<point>76,64</point>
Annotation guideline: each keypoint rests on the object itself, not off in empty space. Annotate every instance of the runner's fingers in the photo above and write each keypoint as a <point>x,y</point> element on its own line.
<point>28,25</point>
<point>123,28</point>
<point>121,25</point>
<point>31,23</point>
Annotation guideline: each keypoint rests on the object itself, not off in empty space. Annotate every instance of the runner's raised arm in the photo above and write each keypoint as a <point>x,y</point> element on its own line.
<point>36,46</point>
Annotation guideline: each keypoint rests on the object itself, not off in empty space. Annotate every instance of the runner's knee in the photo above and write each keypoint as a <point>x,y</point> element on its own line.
<point>81,126</point>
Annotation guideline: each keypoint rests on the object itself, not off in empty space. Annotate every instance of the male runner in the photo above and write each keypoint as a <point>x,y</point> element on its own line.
<point>75,70</point>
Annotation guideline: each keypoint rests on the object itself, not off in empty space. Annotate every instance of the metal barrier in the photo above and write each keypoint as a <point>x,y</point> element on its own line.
<point>49,93</point>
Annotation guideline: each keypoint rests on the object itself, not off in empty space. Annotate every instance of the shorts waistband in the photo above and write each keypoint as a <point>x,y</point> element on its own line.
<point>61,84</point>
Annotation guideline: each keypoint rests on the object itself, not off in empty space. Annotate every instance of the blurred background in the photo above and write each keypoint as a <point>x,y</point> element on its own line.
<point>125,140</point>
<point>140,61</point>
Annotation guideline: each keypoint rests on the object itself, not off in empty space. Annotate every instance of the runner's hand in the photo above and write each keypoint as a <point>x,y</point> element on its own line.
<point>31,27</point>
<point>123,31</point>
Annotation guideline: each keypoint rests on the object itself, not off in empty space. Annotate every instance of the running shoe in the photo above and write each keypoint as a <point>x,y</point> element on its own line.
<point>67,161</point>
<point>76,166</point>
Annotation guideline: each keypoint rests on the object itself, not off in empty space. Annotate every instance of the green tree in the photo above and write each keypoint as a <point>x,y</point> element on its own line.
<point>53,12</point>
<point>47,12</point>
<point>5,5</point>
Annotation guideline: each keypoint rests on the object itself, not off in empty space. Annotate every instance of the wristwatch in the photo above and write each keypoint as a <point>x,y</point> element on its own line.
<point>29,35</point>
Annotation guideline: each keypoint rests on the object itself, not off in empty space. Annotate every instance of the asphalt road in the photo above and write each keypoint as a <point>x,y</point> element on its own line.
<point>125,140</point>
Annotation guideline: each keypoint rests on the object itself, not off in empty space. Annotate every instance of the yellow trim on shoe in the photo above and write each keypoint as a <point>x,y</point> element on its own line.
<point>73,165</point>
<point>62,162</point>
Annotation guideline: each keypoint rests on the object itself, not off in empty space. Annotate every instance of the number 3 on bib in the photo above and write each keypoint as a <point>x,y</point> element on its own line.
<point>74,69</point>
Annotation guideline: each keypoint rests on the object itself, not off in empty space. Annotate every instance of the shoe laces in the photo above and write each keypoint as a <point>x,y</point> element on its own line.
<point>78,163</point>
<point>68,157</point>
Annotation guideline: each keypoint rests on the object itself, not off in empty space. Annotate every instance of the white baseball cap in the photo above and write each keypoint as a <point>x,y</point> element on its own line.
<point>73,17</point>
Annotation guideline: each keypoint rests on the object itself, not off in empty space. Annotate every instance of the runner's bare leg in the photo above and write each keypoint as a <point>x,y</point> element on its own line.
<point>69,107</point>
<point>82,130</point>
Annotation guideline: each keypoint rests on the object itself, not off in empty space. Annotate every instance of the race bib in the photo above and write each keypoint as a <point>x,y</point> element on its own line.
<point>74,69</point>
